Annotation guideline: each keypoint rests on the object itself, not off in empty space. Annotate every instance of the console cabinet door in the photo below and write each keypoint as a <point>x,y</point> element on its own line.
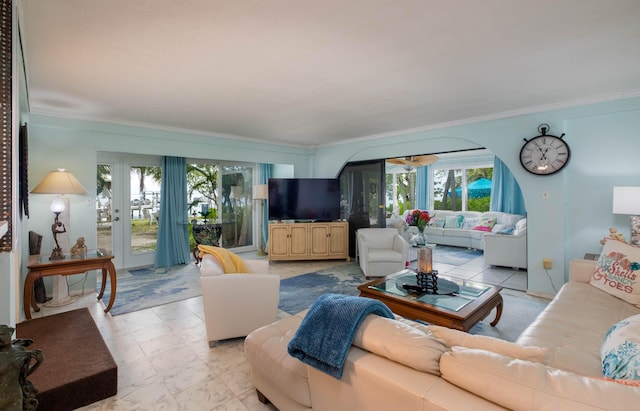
<point>319,240</point>
<point>278,241</point>
<point>337,239</point>
<point>298,240</point>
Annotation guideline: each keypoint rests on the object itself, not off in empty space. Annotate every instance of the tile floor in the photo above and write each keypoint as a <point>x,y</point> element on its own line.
<point>164,360</point>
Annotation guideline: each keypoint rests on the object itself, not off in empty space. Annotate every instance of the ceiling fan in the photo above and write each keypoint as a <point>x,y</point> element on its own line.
<point>414,161</point>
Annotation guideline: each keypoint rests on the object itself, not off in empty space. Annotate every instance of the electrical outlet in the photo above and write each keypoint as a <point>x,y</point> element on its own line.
<point>547,264</point>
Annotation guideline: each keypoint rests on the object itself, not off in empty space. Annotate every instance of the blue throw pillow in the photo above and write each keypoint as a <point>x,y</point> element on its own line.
<point>620,350</point>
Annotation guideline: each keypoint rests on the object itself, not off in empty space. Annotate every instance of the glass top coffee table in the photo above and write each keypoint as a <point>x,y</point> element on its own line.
<point>461,310</point>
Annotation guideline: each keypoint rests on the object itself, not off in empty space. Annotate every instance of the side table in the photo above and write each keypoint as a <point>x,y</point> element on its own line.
<point>40,266</point>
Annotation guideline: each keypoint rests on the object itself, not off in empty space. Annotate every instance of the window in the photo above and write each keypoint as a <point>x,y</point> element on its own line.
<point>465,178</point>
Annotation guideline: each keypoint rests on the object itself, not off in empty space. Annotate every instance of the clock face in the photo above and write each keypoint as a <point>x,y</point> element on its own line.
<point>544,155</point>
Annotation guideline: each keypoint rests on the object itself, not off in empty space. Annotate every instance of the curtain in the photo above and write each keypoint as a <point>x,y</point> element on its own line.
<point>173,232</point>
<point>265,172</point>
<point>505,190</point>
<point>422,188</point>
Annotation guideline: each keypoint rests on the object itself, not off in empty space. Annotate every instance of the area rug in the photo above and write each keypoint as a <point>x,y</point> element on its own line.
<point>151,287</point>
<point>446,254</point>
<point>298,293</point>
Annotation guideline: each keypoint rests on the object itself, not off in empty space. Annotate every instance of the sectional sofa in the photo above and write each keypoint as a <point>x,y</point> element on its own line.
<point>555,364</point>
<point>502,236</point>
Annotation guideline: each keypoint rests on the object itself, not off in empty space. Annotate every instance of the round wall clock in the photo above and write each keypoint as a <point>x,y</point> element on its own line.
<point>544,154</point>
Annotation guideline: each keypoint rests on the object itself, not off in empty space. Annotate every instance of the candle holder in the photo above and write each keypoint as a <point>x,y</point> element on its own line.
<point>426,276</point>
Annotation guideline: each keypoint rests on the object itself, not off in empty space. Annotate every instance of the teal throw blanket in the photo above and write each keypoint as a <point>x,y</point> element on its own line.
<point>327,331</point>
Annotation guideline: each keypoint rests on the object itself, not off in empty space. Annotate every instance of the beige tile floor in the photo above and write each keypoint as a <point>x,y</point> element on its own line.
<point>164,360</point>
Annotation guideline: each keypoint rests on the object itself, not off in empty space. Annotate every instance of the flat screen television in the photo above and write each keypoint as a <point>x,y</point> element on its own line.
<point>304,199</point>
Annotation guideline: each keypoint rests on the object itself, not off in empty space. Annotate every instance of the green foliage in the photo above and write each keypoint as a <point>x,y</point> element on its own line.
<point>479,204</point>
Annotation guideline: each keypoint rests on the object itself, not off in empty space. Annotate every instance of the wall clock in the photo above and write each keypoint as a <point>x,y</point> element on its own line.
<point>544,154</point>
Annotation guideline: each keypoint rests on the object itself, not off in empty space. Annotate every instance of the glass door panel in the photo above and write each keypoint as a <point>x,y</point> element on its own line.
<point>127,204</point>
<point>144,206</point>
<point>362,188</point>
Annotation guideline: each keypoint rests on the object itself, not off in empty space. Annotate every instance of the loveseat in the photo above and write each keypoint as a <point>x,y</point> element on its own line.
<point>555,364</point>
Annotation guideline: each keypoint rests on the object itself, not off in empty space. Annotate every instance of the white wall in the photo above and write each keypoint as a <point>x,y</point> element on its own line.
<point>605,142</point>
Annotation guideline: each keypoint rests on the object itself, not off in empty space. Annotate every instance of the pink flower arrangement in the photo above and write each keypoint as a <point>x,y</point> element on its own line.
<point>419,219</point>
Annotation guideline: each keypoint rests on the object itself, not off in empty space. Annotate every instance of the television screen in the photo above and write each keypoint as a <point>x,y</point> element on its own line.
<point>308,199</point>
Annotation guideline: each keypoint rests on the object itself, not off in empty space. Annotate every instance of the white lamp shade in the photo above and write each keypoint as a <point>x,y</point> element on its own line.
<point>59,182</point>
<point>57,205</point>
<point>261,192</point>
<point>626,200</point>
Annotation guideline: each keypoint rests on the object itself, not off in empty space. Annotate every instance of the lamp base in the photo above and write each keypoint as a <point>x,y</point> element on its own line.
<point>60,295</point>
<point>57,254</point>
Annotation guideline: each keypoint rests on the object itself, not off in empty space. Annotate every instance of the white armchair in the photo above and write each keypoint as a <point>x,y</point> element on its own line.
<point>236,304</point>
<point>381,251</point>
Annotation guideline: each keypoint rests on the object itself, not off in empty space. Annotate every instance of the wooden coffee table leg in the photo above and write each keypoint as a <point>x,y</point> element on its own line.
<point>498,312</point>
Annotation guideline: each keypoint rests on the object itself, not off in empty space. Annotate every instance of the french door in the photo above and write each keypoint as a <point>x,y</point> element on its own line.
<point>127,204</point>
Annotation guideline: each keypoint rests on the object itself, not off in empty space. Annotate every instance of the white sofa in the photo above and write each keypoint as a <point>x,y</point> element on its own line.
<point>554,364</point>
<point>236,304</point>
<point>505,245</point>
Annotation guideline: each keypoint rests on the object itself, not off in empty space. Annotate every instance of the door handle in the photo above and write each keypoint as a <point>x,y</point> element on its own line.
<point>116,219</point>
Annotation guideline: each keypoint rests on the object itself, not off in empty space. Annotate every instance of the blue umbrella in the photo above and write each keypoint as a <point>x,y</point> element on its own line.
<point>478,188</point>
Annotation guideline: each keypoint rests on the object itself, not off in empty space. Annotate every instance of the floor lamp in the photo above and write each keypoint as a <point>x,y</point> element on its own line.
<point>59,182</point>
<point>261,193</point>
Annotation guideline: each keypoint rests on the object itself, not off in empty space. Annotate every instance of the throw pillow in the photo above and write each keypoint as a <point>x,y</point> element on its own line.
<point>521,225</point>
<point>620,351</point>
<point>498,227</point>
<point>617,271</point>
<point>469,223</point>
<point>451,222</point>
<point>437,222</point>
<point>485,224</point>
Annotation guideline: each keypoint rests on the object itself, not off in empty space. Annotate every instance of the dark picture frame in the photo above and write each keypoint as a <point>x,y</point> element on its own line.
<point>23,146</point>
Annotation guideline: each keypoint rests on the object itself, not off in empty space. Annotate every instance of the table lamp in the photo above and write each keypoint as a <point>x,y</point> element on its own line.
<point>58,182</point>
<point>626,200</point>
<point>261,193</point>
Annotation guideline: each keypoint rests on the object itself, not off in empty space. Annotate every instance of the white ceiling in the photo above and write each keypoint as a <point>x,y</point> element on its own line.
<point>313,72</point>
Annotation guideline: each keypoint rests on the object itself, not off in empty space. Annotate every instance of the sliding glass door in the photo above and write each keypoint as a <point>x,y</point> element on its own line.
<point>221,192</point>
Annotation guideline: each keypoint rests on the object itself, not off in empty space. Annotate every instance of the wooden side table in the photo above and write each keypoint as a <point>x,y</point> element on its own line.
<point>40,266</point>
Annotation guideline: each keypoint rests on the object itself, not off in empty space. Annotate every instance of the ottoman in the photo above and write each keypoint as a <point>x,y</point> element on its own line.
<point>278,377</point>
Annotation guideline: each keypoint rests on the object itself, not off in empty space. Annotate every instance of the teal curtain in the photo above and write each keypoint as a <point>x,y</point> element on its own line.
<point>173,230</point>
<point>422,188</point>
<point>506,195</point>
<point>265,172</point>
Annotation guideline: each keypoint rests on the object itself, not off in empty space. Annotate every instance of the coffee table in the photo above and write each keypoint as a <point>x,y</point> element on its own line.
<point>461,310</point>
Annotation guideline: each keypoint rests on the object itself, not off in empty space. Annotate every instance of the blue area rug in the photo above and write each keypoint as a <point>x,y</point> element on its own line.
<point>298,293</point>
<point>446,254</point>
<point>151,287</point>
